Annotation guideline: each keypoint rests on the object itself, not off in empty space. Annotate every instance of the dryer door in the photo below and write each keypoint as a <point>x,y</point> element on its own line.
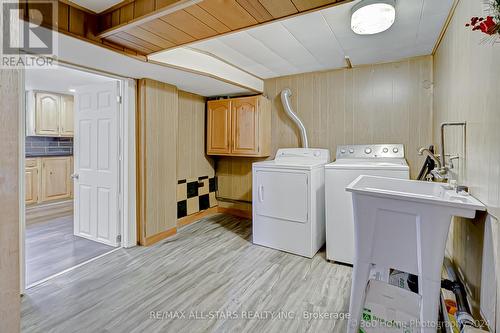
<point>282,195</point>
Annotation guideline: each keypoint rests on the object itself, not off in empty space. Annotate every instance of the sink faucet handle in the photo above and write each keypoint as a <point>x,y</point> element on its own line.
<point>451,159</point>
<point>441,174</point>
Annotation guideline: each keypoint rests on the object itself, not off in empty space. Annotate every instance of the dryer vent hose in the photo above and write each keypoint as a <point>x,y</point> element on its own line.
<point>285,99</point>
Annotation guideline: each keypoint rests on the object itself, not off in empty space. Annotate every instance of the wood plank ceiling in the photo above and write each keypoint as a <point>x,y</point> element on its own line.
<point>136,25</point>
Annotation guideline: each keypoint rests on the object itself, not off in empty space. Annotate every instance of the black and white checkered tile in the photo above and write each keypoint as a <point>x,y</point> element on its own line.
<point>194,195</point>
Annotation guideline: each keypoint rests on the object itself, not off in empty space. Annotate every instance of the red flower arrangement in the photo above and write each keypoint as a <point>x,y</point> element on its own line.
<point>489,25</point>
<point>486,25</point>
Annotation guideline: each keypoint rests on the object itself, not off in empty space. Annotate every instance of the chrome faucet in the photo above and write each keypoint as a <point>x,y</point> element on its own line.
<point>441,171</point>
<point>429,153</point>
<point>443,126</point>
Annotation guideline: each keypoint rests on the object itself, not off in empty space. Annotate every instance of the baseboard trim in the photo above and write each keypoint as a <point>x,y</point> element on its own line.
<point>247,214</point>
<point>48,211</point>
<point>160,236</point>
<point>196,217</point>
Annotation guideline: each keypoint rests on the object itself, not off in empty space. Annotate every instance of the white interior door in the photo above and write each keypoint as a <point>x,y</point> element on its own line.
<point>96,163</point>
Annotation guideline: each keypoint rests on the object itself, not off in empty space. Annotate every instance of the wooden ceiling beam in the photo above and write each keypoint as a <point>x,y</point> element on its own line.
<point>117,6</point>
<point>145,27</point>
<point>209,18</point>
<point>74,5</point>
<point>143,11</point>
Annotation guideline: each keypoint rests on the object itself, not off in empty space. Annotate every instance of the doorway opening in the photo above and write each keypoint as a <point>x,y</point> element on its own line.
<point>73,169</point>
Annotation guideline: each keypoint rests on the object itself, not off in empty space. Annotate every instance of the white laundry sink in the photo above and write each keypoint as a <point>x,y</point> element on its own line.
<point>418,191</point>
<point>403,224</point>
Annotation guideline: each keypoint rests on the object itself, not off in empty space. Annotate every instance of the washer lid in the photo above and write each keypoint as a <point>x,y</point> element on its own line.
<point>370,164</point>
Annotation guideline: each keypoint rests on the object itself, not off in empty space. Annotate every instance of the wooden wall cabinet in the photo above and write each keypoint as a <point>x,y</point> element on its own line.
<point>47,114</point>
<point>48,178</point>
<point>50,114</point>
<point>66,116</point>
<point>219,127</point>
<point>239,127</point>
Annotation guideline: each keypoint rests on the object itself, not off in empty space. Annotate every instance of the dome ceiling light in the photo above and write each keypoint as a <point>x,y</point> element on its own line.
<point>370,17</point>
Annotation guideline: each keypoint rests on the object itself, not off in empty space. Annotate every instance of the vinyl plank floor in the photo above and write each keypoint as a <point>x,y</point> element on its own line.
<point>51,247</point>
<point>207,278</point>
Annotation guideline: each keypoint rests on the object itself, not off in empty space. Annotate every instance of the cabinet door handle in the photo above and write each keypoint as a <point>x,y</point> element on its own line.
<point>261,193</point>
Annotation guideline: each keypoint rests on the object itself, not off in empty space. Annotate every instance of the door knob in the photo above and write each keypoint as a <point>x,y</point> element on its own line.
<point>75,176</point>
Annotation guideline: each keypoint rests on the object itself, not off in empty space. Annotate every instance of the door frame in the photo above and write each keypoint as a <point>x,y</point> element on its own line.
<point>126,162</point>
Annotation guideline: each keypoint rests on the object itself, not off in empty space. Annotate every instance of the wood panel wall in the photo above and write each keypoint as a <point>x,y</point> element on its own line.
<point>384,103</point>
<point>9,202</point>
<point>192,162</point>
<point>466,88</point>
<point>157,150</point>
<point>82,24</point>
<point>171,146</point>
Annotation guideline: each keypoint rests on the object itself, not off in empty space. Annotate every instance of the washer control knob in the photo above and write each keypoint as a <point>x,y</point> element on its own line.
<point>395,150</point>
<point>368,150</point>
<point>385,150</point>
<point>342,151</point>
<point>351,151</point>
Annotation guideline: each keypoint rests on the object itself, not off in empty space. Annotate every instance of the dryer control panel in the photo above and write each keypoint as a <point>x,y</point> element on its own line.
<point>371,151</point>
<point>296,154</point>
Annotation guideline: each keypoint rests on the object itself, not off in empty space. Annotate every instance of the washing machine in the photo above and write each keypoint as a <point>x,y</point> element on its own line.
<point>288,201</point>
<point>385,160</point>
